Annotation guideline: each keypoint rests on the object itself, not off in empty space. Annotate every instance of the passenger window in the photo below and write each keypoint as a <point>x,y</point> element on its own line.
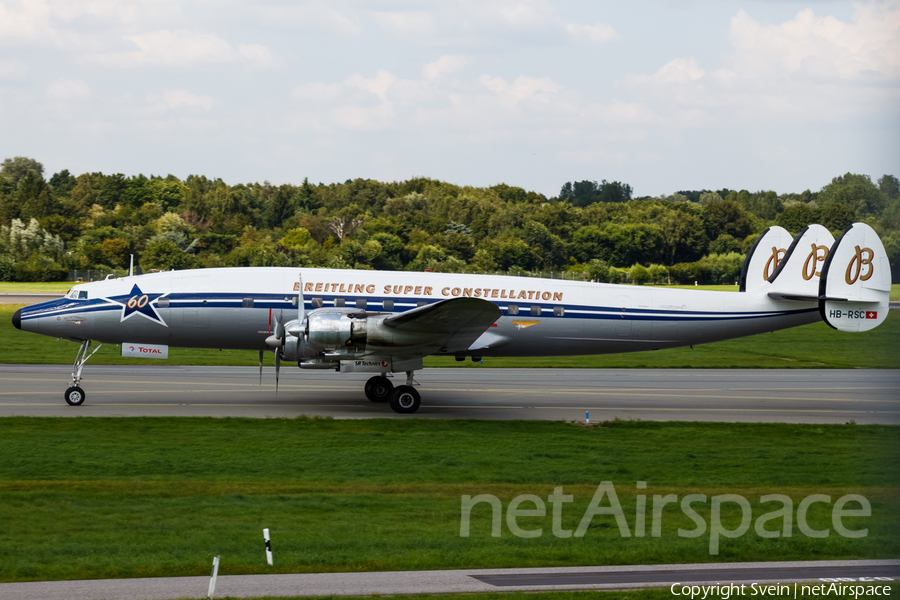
<point>295,301</point>
<point>316,302</point>
<point>361,303</point>
<point>388,305</point>
<point>246,303</point>
<point>513,309</point>
<point>559,311</point>
<point>339,302</point>
<point>162,303</point>
<point>535,310</point>
<point>421,303</point>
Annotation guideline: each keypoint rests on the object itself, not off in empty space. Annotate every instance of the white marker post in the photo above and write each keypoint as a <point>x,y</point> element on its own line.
<point>268,546</point>
<point>587,418</point>
<point>212,578</point>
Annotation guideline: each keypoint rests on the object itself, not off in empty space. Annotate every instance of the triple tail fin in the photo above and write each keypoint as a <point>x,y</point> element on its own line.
<point>855,286</point>
<point>799,272</point>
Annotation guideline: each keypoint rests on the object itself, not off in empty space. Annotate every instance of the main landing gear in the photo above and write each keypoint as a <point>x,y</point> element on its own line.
<point>403,399</point>
<point>75,395</point>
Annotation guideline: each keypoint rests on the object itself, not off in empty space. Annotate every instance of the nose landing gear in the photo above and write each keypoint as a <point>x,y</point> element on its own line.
<point>75,396</point>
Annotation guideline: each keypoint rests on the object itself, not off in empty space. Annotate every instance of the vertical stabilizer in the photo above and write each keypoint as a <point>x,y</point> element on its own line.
<point>799,271</point>
<point>763,258</point>
<point>855,286</point>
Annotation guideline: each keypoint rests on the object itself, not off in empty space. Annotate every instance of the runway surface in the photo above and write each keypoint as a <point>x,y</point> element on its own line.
<point>792,396</point>
<point>877,572</point>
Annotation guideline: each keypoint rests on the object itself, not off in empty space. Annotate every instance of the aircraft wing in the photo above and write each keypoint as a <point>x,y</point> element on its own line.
<point>458,322</point>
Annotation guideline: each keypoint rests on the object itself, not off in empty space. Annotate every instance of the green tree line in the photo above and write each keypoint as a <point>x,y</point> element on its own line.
<point>596,231</point>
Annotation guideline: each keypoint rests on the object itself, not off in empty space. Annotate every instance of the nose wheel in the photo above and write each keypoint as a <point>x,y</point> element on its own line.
<point>75,396</point>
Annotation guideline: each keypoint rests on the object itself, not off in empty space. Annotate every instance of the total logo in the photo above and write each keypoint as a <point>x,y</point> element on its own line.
<point>142,350</point>
<point>145,351</point>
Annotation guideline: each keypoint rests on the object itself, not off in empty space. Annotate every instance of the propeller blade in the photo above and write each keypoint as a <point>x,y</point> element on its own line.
<point>260,365</point>
<point>301,304</point>
<point>279,327</point>
<point>277,368</point>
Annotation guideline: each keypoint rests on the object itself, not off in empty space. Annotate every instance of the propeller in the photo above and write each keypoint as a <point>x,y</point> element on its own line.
<point>278,339</point>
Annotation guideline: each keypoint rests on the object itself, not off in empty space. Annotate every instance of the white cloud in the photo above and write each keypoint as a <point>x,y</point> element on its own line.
<point>514,13</point>
<point>679,70</point>
<point>364,118</point>
<point>68,89</point>
<point>523,88</point>
<point>118,11</point>
<point>25,20</point>
<point>318,16</point>
<point>379,85</point>
<point>599,33</point>
<point>808,68</point>
<point>449,63</point>
<point>179,98</point>
<point>317,91</point>
<point>406,23</point>
<point>179,48</point>
<point>256,54</point>
<point>823,48</point>
<point>13,68</point>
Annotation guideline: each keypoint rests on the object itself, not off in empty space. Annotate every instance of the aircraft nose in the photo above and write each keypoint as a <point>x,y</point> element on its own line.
<point>17,319</point>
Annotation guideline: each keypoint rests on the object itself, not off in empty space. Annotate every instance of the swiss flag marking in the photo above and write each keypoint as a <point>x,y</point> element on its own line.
<point>871,314</point>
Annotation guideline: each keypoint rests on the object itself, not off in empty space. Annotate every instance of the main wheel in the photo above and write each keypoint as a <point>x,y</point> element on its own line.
<point>75,396</point>
<point>405,399</point>
<point>378,389</point>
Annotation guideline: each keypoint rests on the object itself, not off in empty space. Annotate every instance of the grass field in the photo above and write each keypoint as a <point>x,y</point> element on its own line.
<point>105,497</point>
<point>810,346</point>
<point>29,286</point>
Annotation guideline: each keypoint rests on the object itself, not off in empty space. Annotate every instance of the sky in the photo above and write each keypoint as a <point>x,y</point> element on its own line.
<point>664,95</point>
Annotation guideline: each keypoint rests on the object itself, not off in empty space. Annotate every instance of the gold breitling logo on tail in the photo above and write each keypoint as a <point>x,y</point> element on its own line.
<point>861,260</point>
<point>818,253</point>
<point>772,263</point>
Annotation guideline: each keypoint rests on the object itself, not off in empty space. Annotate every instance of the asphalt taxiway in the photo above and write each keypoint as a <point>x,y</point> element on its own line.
<point>843,573</point>
<point>728,395</point>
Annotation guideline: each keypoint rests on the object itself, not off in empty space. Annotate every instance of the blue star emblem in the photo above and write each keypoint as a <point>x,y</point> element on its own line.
<point>137,302</point>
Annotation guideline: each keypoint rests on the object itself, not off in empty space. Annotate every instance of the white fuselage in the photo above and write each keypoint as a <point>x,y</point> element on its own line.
<point>236,308</point>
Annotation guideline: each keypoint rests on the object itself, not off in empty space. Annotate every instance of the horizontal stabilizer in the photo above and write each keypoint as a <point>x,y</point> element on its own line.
<point>763,258</point>
<point>855,286</point>
<point>792,297</point>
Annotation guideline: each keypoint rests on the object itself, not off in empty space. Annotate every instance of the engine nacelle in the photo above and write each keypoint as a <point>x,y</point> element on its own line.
<point>329,330</point>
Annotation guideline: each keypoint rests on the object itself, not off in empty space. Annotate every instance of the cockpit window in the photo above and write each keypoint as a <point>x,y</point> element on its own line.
<point>82,295</point>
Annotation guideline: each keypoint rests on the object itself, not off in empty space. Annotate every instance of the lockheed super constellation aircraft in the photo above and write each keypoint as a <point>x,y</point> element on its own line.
<point>387,322</point>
